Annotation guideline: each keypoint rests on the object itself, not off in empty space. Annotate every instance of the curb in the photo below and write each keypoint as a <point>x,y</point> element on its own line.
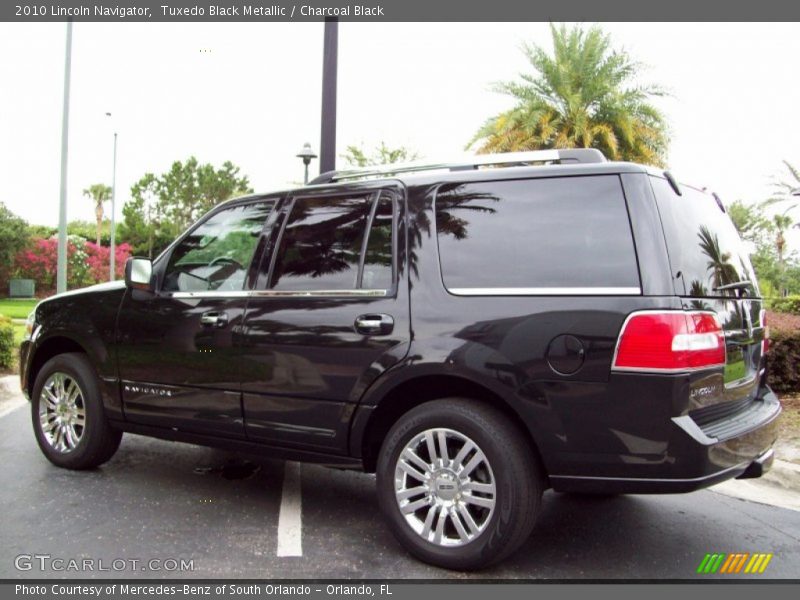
<point>9,386</point>
<point>10,397</point>
<point>779,487</point>
<point>10,381</point>
<point>784,474</point>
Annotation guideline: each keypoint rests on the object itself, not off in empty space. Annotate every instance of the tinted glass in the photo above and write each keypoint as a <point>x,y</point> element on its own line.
<point>543,233</point>
<point>321,244</point>
<point>217,253</point>
<point>378,258</point>
<point>705,251</point>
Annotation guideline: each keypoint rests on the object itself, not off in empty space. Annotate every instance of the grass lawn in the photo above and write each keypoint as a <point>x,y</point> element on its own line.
<point>16,308</point>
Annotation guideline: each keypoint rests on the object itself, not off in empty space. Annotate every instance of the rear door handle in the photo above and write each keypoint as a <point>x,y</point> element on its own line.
<point>214,319</point>
<point>374,324</point>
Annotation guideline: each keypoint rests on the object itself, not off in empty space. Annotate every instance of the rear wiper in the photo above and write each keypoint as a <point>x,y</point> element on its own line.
<point>738,285</point>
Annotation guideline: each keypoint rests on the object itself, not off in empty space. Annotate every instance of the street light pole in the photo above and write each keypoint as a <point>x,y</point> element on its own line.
<point>306,154</point>
<point>61,269</point>
<point>112,254</point>
<point>327,149</point>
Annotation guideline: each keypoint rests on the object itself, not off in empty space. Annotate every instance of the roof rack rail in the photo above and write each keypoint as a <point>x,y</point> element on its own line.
<point>509,159</point>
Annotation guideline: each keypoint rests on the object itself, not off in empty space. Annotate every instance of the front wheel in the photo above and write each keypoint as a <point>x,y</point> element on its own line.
<point>458,484</point>
<point>68,417</point>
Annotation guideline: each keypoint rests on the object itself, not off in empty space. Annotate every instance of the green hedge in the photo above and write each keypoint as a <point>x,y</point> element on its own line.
<point>8,349</point>
<point>787,304</point>
<point>784,362</point>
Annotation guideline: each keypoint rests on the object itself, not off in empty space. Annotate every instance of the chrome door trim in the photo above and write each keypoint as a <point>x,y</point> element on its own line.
<point>547,291</point>
<point>280,294</point>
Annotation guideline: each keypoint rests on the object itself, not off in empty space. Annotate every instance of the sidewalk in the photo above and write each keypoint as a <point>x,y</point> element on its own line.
<point>779,487</point>
<point>11,397</point>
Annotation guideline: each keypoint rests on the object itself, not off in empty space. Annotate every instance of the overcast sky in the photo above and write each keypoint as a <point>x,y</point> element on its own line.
<point>250,93</point>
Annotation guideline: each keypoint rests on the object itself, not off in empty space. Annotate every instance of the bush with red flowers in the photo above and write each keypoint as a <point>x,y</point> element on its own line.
<point>87,263</point>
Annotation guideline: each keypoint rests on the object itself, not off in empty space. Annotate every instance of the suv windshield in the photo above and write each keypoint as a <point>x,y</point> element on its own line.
<point>706,254</point>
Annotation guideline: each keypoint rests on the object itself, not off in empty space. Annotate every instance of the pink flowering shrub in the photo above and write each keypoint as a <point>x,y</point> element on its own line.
<point>98,261</point>
<point>39,262</point>
<point>87,263</point>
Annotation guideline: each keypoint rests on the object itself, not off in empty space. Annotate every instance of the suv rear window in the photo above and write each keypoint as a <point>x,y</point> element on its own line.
<point>705,250</point>
<point>554,235</point>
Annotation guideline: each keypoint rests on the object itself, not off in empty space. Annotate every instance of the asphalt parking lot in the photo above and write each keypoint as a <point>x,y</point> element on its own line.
<point>237,516</point>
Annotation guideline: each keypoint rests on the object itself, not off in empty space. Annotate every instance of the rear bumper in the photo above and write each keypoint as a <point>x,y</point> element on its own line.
<point>740,446</point>
<point>759,466</point>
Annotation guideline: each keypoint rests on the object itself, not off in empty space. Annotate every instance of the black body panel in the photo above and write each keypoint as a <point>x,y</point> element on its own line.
<point>84,321</point>
<point>175,371</point>
<point>303,367</point>
<point>304,363</point>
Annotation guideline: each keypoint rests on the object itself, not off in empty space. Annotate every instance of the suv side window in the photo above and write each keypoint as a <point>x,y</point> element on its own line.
<point>325,245</point>
<point>217,253</point>
<point>551,235</point>
<point>378,263</point>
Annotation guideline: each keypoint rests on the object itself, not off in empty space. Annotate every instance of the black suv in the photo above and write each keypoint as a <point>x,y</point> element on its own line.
<point>474,333</point>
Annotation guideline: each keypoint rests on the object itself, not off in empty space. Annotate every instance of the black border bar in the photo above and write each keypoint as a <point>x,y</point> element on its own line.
<point>375,11</point>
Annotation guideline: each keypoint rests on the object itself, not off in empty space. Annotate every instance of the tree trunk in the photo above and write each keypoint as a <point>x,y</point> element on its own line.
<point>98,212</point>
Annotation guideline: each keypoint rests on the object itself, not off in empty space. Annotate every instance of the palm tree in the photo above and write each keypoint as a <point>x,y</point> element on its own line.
<point>697,291</point>
<point>100,194</point>
<point>782,222</point>
<point>581,96</point>
<point>723,272</point>
<point>785,190</point>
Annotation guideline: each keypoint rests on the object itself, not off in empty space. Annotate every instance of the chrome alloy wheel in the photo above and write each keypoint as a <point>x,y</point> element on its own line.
<point>62,412</point>
<point>444,487</point>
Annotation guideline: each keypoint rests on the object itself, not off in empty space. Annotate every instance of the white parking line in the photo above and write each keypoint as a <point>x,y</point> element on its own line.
<point>290,518</point>
<point>11,406</point>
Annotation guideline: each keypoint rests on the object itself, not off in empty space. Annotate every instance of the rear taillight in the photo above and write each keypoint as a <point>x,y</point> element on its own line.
<point>765,341</point>
<point>670,341</point>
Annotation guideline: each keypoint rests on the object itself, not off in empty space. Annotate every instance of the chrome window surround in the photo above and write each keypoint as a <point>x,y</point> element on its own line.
<point>280,294</point>
<point>547,291</point>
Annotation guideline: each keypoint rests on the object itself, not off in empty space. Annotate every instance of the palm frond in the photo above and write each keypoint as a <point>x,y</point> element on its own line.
<point>579,93</point>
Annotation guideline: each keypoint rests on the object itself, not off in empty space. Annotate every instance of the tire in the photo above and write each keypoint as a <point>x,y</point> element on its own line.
<point>461,483</point>
<point>79,435</point>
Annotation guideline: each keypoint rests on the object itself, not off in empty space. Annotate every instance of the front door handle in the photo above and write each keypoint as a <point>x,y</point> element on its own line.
<point>374,324</point>
<point>214,319</point>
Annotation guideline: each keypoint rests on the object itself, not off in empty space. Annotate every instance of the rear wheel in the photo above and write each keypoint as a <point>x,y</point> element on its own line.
<point>457,483</point>
<point>68,417</point>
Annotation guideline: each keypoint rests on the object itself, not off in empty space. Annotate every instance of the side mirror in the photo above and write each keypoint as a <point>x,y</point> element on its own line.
<point>139,274</point>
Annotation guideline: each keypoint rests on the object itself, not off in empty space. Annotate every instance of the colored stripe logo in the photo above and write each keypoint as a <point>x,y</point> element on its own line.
<point>735,563</point>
